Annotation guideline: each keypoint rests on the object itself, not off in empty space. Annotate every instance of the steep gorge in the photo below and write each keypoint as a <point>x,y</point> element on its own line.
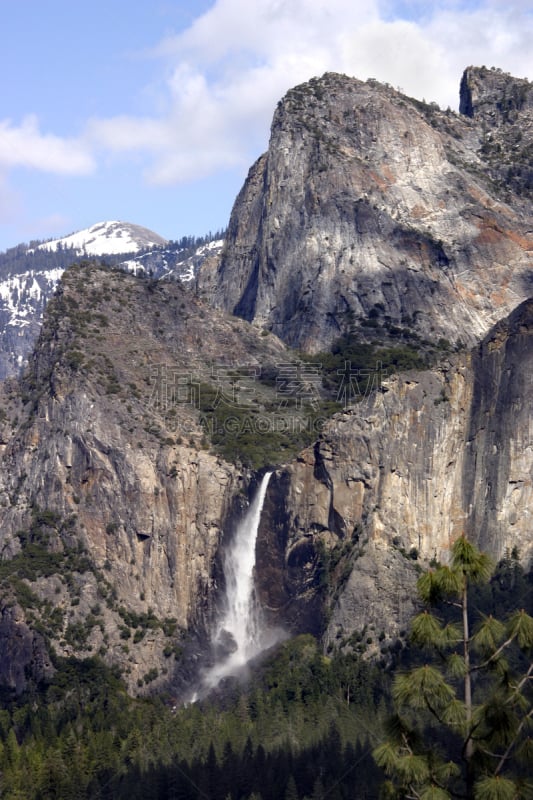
<point>371,215</point>
<point>106,472</point>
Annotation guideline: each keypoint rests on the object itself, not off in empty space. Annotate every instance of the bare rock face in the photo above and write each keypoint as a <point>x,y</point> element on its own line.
<point>498,459</point>
<point>502,106</point>
<point>22,650</point>
<point>113,506</point>
<point>365,199</point>
<point>396,479</point>
<point>493,95</point>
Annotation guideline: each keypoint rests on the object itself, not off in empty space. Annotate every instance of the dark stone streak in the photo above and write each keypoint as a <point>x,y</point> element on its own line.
<point>502,368</point>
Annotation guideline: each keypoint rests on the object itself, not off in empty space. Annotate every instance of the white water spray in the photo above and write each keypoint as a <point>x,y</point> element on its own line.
<point>240,629</point>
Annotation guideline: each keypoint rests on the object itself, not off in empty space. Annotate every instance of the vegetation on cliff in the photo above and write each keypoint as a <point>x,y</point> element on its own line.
<point>142,413</point>
<point>303,727</point>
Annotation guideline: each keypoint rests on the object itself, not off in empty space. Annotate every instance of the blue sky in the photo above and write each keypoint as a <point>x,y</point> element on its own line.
<point>152,111</point>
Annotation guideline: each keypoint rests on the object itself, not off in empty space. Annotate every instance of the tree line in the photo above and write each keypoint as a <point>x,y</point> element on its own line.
<point>447,716</point>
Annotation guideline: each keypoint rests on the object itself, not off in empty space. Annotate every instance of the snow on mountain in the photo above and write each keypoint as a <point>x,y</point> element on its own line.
<point>187,269</point>
<point>23,298</point>
<point>21,294</point>
<point>29,277</point>
<point>107,238</point>
<point>172,262</point>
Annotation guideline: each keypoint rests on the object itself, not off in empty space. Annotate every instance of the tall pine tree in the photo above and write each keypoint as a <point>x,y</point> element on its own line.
<point>464,719</point>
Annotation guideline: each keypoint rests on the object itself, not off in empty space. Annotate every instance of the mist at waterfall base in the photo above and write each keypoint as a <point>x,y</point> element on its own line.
<point>241,633</point>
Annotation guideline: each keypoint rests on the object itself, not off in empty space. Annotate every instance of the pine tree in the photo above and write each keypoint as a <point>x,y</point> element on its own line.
<point>464,719</point>
<point>291,791</point>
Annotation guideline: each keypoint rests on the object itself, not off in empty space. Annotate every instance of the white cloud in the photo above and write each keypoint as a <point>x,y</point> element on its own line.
<point>26,146</point>
<point>123,134</point>
<point>229,68</point>
<point>225,73</point>
<point>493,34</point>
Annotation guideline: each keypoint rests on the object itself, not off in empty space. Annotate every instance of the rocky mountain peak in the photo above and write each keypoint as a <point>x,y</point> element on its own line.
<point>501,106</point>
<point>106,238</point>
<point>494,96</point>
<point>370,204</point>
<point>29,275</point>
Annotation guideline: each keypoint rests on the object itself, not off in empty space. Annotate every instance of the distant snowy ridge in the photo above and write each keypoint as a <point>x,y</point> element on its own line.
<point>23,298</point>
<point>107,238</point>
<point>186,270</point>
<point>23,294</point>
<point>29,276</point>
<point>169,263</point>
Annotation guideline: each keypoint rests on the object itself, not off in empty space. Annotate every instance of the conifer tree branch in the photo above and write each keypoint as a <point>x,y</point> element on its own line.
<point>527,677</point>
<point>507,753</point>
<point>495,655</point>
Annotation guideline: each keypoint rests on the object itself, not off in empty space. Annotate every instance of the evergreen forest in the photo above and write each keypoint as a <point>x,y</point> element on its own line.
<point>303,726</point>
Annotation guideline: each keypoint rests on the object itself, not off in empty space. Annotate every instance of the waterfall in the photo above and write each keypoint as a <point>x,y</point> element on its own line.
<point>240,633</point>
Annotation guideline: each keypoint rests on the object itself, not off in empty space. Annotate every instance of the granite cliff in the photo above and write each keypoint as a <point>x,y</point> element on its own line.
<point>396,479</point>
<point>113,505</point>
<point>372,215</point>
<point>369,200</point>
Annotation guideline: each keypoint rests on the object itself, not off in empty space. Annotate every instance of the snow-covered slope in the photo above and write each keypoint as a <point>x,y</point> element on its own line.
<point>29,276</point>
<point>23,298</point>
<point>107,238</point>
<point>172,262</point>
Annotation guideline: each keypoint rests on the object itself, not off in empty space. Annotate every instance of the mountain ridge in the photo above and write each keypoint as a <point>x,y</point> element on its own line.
<point>118,482</point>
<point>107,238</point>
<point>29,274</point>
<point>368,199</point>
